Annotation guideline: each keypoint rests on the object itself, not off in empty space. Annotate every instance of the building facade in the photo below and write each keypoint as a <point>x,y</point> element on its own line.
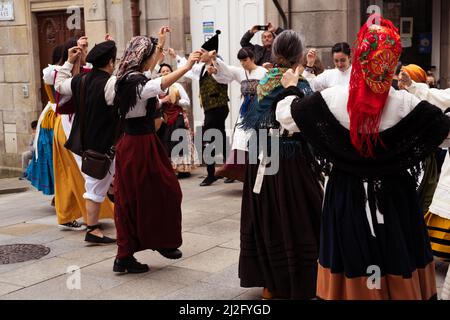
<point>30,29</point>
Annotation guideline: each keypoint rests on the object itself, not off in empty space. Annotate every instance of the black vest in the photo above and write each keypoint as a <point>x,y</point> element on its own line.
<point>100,120</point>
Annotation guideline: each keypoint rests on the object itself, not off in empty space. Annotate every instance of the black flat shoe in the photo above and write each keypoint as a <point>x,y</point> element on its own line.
<point>208,181</point>
<point>129,265</point>
<point>172,254</point>
<point>91,238</point>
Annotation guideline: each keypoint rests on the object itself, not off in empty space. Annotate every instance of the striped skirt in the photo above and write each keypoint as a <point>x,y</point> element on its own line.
<point>439,232</point>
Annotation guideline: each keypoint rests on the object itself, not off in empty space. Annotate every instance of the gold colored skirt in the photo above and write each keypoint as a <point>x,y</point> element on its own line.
<point>69,183</point>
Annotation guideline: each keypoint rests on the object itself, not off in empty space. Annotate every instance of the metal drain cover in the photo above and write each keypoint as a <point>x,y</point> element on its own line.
<point>15,253</point>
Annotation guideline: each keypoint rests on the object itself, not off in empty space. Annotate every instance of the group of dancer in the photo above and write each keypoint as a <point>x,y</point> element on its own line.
<point>344,200</point>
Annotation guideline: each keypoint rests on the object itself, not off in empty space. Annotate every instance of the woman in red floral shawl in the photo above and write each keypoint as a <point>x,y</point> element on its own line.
<point>371,139</point>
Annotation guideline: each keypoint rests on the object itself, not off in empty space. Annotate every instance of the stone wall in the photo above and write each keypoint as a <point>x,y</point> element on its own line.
<point>322,23</point>
<point>17,109</point>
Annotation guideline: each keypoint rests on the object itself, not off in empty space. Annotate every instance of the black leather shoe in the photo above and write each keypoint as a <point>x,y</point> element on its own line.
<point>129,265</point>
<point>208,181</point>
<point>91,238</point>
<point>172,254</point>
<point>228,180</point>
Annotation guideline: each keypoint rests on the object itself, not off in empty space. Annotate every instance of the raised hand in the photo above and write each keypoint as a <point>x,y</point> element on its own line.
<point>74,54</point>
<point>272,28</point>
<point>290,78</point>
<point>213,55</point>
<point>194,57</point>
<point>162,35</point>
<point>161,59</point>
<point>172,53</point>
<point>108,37</point>
<point>254,29</point>
<point>311,57</point>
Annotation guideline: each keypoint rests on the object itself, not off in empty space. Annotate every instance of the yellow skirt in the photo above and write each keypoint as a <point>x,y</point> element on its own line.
<point>69,183</point>
<point>439,232</point>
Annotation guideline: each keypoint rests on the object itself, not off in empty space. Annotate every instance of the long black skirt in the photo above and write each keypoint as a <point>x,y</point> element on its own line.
<point>280,230</point>
<point>375,249</point>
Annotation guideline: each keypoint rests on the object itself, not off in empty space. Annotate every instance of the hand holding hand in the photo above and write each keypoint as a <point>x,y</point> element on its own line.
<point>211,69</point>
<point>194,57</point>
<point>74,54</point>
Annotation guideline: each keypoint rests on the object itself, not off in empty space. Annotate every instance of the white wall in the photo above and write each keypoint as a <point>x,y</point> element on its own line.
<point>233,18</point>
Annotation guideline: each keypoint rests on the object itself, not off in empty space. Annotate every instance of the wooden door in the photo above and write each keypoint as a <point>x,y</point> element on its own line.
<point>53,31</point>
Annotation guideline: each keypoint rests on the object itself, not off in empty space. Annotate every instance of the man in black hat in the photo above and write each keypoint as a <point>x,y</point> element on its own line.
<point>213,97</point>
<point>95,124</point>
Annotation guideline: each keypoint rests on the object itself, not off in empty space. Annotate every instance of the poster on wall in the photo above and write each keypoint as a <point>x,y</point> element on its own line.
<point>208,30</point>
<point>425,40</point>
<point>6,10</point>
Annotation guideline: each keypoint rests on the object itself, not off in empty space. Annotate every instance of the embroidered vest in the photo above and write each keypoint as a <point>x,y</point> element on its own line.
<point>212,94</point>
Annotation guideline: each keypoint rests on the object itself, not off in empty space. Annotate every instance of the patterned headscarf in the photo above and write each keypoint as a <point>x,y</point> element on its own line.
<point>376,53</point>
<point>138,49</point>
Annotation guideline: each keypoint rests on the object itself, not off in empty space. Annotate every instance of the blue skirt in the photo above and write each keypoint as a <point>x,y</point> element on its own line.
<point>40,171</point>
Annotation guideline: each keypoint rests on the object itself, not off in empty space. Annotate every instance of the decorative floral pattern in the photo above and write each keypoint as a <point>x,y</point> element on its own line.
<point>379,53</point>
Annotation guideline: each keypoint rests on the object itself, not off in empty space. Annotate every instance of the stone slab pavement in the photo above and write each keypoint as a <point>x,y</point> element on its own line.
<point>207,271</point>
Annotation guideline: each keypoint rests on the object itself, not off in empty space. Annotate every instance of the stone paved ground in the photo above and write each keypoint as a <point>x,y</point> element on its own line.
<point>207,271</point>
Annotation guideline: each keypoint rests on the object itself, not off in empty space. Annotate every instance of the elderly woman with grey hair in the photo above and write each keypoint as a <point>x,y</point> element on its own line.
<point>280,218</point>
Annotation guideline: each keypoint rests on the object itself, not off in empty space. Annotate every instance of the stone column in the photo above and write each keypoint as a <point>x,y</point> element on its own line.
<point>95,21</point>
<point>118,14</point>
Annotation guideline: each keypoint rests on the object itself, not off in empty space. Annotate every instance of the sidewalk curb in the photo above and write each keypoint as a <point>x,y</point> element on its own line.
<point>13,190</point>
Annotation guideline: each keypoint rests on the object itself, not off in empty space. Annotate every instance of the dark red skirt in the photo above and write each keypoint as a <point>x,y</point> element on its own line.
<point>147,197</point>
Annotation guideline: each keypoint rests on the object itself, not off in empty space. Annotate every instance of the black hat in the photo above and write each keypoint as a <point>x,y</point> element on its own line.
<point>102,53</point>
<point>213,43</point>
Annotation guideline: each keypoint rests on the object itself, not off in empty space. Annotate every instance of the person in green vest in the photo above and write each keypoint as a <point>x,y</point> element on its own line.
<point>213,98</point>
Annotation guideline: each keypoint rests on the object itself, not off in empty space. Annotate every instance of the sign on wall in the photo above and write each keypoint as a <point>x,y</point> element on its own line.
<point>208,30</point>
<point>6,10</point>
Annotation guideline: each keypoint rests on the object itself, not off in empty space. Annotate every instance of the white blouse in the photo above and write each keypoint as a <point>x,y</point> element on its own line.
<point>327,79</point>
<point>63,84</point>
<point>440,98</point>
<point>48,74</point>
<point>398,105</point>
<point>227,74</point>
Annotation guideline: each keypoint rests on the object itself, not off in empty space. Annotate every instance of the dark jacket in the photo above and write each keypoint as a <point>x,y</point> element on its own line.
<point>262,55</point>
